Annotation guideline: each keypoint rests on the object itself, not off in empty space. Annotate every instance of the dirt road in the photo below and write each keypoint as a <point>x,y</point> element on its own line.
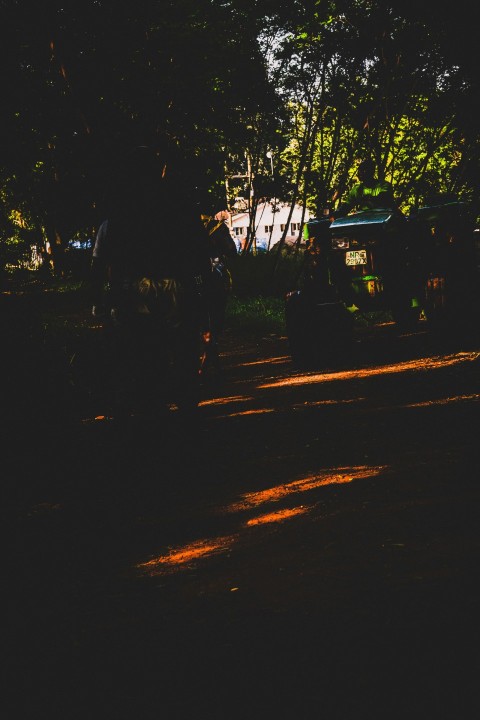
<point>310,550</point>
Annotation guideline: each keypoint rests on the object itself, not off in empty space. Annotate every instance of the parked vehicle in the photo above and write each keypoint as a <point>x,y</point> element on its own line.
<point>420,266</point>
<point>450,272</point>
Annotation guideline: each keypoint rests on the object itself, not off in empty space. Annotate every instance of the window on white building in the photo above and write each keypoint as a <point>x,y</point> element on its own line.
<point>282,227</point>
<point>268,228</point>
<point>295,227</point>
<point>240,231</point>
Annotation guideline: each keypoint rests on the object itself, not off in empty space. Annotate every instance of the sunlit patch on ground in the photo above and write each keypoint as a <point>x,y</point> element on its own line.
<point>258,411</point>
<point>296,406</point>
<point>181,557</point>
<point>186,554</point>
<point>328,402</point>
<point>97,419</point>
<point>267,361</point>
<point>276,493</point>
<point>444,401</point>
<point>279,516</point>
<point>427,363</point>
<point>225,400</point>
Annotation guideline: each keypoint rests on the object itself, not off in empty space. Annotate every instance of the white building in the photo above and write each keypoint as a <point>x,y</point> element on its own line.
<point>269,225</point>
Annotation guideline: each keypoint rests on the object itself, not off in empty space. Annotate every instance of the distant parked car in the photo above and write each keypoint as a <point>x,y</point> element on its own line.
<point>261,244</point>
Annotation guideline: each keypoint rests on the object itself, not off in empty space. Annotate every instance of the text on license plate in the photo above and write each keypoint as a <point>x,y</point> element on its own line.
<point>356,257</point>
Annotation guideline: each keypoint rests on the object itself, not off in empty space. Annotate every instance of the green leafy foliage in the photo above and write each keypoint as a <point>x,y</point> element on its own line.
<point>318,83</point>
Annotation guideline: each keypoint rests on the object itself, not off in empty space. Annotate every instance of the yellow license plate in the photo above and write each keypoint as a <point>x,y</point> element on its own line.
<point>356,257</point>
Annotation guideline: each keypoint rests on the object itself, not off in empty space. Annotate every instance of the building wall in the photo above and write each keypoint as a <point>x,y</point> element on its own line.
<point>265,218</point>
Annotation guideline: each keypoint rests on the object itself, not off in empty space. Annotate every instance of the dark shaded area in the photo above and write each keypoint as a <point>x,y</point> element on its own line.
<point>366,603</point>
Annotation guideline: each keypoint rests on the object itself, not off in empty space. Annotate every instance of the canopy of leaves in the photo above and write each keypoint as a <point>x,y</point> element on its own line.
<point>319,83</point>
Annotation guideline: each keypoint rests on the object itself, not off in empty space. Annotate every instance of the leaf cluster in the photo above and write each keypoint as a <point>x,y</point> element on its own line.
<point>319,83</point>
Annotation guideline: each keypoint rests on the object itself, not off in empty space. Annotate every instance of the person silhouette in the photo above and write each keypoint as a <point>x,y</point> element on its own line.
<point>150,265</point>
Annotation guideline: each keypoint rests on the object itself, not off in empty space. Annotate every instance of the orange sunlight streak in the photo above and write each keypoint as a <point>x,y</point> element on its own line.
<point>225,400</point>
<point>183,555</point>
<point>260,411</point>
<point>328,402</point>
<point>278,516</point>
<point>443,401</point>
<point>267,361</point>
<point>274,494</point>
<point>421,364</point>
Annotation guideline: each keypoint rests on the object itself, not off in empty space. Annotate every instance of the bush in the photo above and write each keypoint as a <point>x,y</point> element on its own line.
<point>256,315</point>
<point>259,276</point>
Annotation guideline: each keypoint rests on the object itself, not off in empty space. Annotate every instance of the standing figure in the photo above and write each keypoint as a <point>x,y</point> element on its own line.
<point>149,268</point>
<point>219,286</point>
